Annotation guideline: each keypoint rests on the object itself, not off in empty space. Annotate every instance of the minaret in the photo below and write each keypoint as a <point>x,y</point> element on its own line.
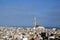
<point>34,22</point>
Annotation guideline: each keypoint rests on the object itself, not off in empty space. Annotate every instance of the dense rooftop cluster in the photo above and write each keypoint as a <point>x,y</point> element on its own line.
<point>39,33</point>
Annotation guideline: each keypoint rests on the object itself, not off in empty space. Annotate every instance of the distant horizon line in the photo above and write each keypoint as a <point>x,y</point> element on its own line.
<point>28,25</point>
<point>50,27</point>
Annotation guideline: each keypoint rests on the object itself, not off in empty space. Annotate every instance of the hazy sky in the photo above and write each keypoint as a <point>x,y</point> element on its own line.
<point>22,12</point>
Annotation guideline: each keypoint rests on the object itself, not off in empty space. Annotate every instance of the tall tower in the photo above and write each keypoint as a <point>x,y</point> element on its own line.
<point>34,22</point>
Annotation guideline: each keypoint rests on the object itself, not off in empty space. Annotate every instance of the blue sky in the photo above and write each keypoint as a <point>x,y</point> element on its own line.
<point>22,12</point>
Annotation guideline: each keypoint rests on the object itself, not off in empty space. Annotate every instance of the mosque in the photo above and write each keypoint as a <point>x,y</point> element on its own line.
<point>38,27</point>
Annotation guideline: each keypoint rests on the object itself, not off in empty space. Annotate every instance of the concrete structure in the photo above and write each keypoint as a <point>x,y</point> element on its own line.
<point>34,23</point>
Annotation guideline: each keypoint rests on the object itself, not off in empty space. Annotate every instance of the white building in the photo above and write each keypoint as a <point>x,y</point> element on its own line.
<point>41,28</point>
